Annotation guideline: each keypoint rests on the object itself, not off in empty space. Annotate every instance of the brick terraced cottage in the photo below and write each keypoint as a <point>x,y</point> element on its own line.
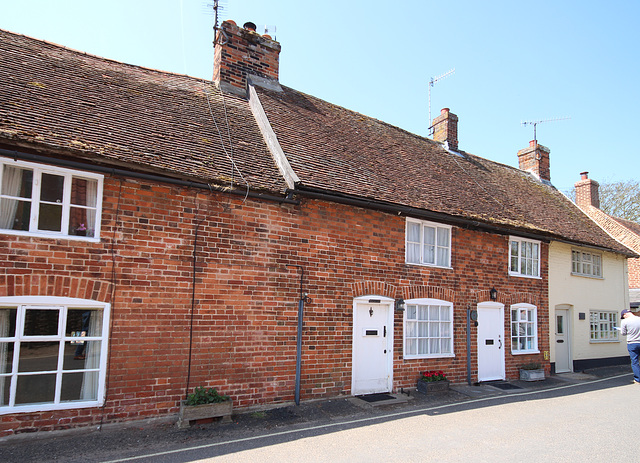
<point>157,231</point>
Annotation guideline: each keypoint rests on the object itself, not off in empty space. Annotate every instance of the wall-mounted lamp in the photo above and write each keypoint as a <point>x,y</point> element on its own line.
<point>493,294</point>
<point>400,305</point>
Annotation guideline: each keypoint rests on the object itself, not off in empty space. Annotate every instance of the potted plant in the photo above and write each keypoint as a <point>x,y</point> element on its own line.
<point>202,404</point>
<point>81,230</point>
<point>433,381</point>
<point>532,371</point>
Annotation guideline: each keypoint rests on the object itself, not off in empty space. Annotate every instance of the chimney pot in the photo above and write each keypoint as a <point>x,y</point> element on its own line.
<point>533,143</point>
<point>250,26</point>
<point>584,175</point>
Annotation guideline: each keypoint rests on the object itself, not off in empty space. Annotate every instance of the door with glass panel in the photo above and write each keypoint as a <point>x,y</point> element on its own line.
<point>562,344</point>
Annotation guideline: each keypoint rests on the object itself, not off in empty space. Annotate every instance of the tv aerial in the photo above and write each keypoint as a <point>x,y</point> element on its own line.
<point>535,124</point>
<point>431,84</point>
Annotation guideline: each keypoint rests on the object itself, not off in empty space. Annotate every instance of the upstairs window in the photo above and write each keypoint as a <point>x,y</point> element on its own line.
<point>49,201</point>
<point>428,243</point>
<point>586,264</point>
<point>524,257</point>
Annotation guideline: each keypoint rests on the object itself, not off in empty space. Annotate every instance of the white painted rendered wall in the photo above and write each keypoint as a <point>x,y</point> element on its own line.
<point>583,294</point>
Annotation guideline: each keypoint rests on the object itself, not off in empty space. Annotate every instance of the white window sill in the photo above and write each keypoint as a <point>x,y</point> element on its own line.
<point>430,356</point>
<point>512,274</point>
<point>593,277</point>
<point>428,265</point>
<point>57,236</point>
<point>524,352</point>
<point>604,341</point>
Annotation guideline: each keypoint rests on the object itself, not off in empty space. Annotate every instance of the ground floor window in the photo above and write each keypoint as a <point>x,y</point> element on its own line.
<point>602,326</point>
<point>524,328</point>
<point>52,353</point>
<point>428,328</point>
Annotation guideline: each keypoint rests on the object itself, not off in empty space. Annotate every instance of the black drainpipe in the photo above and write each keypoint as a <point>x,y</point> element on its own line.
<point>303,298</point>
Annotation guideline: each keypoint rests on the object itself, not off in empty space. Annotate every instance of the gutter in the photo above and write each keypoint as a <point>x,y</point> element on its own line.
<point>133,174</point>
<point>317,193</point>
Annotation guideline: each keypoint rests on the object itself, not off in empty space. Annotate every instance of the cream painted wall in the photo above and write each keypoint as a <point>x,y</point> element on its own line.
<point>583,294</point>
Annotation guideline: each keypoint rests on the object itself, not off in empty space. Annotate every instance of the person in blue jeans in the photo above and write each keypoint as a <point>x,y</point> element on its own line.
<point>631,329</point>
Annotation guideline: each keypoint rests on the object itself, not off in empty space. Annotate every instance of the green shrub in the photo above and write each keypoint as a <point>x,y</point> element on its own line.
<point>201,396</point>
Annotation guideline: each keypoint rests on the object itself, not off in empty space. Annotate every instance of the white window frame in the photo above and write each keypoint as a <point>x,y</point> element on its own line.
<point>62,304</point>
<point>68,175</point>
<point>439,230</point>
<point>586,263</point>
<point>411,334</point>
<point>602,326</point>
<point>527,319</point>
<point>524,247</point>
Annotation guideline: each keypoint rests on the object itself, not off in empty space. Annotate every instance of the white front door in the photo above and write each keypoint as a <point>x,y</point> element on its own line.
<point>372,343</point>
<point>563,351</point>
<point>490,341</point>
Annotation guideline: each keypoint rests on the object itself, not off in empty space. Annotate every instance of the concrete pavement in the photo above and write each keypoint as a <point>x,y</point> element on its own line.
<point>158,440</point>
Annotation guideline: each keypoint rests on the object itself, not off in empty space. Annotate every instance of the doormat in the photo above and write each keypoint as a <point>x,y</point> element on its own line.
<point>502,385</point>
<point>375,397</point>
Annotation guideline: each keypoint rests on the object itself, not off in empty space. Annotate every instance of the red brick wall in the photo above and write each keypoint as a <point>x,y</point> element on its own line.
<point>245,318</point>
<point>634,273</point>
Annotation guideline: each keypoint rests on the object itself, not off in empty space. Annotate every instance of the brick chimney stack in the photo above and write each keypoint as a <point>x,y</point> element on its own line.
<point>445,128</point>
<point>535,159</point>
<point>240,51</point>
<point>587,191</point>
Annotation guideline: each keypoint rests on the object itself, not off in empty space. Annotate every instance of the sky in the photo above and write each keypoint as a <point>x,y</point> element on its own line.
<point>574,65</point>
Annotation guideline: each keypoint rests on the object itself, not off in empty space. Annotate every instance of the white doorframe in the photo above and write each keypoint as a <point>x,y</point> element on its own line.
<point>490,341</point>
<point>363,334</point>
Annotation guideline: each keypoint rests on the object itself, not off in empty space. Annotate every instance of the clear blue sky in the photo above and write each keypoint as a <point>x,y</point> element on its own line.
<point>514,61</point>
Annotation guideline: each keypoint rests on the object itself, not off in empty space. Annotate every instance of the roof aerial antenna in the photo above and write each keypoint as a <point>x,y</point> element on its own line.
<point>535,123</point>
<point>216,12</point>
<point>431,82</point>
<point>270,29</point>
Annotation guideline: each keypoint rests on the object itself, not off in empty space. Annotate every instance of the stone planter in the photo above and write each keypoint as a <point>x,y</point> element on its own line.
<point>190,413</point>
<point>427,387</point>
<point>532,375</point>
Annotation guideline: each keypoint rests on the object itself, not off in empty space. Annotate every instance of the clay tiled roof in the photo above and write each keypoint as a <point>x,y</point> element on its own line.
<point>340,151</point>
<point>61,101</point>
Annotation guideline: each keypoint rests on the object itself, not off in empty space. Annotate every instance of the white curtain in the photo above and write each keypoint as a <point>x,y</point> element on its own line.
<point>92,197</point>
<point>4,331</point>
<point>11,181</point>
<point>92,351</point>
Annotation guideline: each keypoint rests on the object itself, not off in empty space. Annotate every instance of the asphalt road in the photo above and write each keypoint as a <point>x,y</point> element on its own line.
<point>585,421</point>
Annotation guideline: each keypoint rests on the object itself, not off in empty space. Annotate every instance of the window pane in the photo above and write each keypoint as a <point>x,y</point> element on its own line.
<point>14,214</point>
<point>423,346</point>
<point>50,217</point>
<point>71,386</point>
<point>5,384</point>
<point>17,182</point>
<point>411,311</point>
<point>411,347</point>
<point>423,312</point>
<point>79,320</point>
<point>80,355</point>
<point>413,253</point>
<point>443,257</point>
<point>413,232</point>
<point>559,324</point>
<point>38,356</point>
<point>423,329</point>
<point>446,346</point>
<point>444,313</point>
<point>41,322</point>
<point>411,329</point>
<point>443,237</point>
<point>8,322</point>
<point>83,192</point>
<point>6,357</point>
<point>33,389</point>
<point>52,188</point>
<point>434,312</point>
<point>429,235</point>
<point>429,254</point>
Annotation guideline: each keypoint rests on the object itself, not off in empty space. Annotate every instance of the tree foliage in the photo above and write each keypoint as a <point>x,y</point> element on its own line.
<point>619,199</point>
